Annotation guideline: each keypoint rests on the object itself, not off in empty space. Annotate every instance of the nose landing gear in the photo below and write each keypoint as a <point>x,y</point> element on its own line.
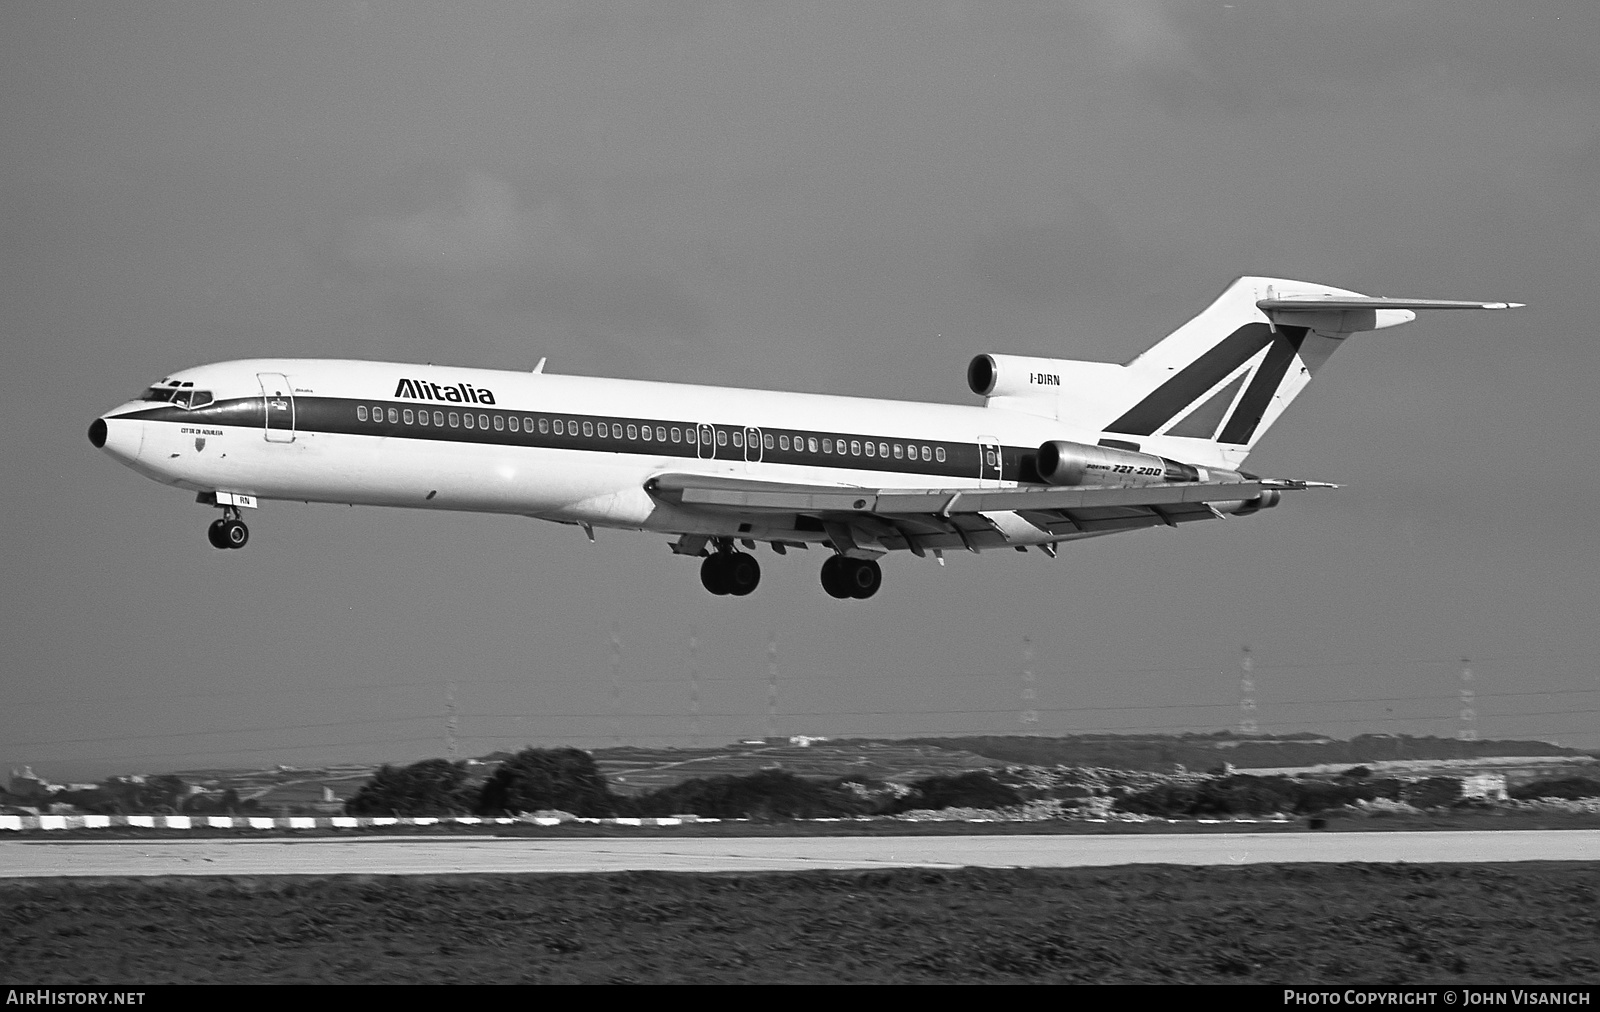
<point>730,572</point>
<point>844,577</point>
<point>229,531</point>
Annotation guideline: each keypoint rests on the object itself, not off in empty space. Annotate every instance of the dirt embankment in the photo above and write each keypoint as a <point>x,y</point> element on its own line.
<point>1344,924</point>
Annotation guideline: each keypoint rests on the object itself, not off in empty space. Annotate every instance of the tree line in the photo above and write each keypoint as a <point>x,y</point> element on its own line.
<point>568,780</point>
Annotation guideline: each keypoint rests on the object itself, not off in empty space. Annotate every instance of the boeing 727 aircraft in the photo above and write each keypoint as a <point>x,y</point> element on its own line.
<point>1060,449</point>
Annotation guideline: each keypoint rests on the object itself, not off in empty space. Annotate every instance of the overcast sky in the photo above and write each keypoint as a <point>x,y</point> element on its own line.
<point>830,197</point>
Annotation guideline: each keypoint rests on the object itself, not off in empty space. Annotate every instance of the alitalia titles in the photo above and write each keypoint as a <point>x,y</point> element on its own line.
<point>461,393</point>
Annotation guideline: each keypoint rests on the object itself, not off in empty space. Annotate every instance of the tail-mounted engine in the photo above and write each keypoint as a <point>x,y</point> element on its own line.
<point>1015,375</point>
<point>1065,463</point>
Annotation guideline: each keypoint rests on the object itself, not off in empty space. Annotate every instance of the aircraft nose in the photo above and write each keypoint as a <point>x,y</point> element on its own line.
<point>123,438</point>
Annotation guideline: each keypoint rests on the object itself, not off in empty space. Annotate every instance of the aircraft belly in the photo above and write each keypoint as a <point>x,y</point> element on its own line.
<point>369,471</point>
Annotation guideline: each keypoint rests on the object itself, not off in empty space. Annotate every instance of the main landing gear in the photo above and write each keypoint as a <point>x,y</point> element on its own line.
<point>733,573</point>
<point>844,577</point>
<point>229,531</point>
<point>730,572</point>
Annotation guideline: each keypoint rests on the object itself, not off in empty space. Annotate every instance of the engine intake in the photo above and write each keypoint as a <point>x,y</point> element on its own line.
<point>1065,463</point>
<point>1016,376</point>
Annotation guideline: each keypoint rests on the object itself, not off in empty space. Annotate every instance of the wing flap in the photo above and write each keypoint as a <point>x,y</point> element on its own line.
<point>719,492</point>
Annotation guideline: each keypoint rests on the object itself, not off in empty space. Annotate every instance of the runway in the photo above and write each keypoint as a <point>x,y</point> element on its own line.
<point>424,855</point>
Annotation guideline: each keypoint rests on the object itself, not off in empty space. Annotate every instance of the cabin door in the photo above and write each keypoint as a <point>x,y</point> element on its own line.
<point>279,398</point>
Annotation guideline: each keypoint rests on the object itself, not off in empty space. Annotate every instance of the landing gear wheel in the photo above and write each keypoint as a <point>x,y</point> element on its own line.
<point>864,578</point>
<point>234,533</point>
<point>858,578</point>
<point>730,573</point>
<point>713,574</point>
<point>214,534</point>
<point>833,577</point>
<point>741,573</point>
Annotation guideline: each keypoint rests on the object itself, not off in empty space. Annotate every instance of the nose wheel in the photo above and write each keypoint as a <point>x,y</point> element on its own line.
<point>734,573</point>
<point>844,577</point>
<point>228,532</point>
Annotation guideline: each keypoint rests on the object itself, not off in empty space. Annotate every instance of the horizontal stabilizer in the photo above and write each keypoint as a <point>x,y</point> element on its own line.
<point>1319,303</point>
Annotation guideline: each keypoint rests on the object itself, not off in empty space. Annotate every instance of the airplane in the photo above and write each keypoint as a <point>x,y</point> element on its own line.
<point>1060,450</point>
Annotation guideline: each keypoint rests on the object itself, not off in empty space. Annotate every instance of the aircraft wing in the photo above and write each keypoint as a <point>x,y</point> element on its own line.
<point>918,518</point>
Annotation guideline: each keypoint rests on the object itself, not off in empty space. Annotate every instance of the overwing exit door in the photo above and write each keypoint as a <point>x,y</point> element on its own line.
<point>989,462</point>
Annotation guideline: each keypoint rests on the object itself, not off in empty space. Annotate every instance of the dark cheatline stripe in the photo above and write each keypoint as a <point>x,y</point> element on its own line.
<point>1285,346</point>
<point>1203,421</point>
<point>1193,381</point>
<point>338,415</point>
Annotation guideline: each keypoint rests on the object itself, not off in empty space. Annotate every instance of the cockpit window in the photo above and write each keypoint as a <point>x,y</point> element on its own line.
<point>184,397</point>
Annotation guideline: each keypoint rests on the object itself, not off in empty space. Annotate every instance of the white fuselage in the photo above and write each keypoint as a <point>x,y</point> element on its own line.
<point>304,429</point>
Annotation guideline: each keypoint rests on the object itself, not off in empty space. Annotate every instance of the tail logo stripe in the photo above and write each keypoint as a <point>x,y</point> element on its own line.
<point>1285,347</point>
<point>1191,382</point>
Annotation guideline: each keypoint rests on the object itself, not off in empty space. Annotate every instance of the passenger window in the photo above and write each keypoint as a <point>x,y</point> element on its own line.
<point>544,425</point>
<point>455,419</point>
<point>927,453</point>
<point>783,442</point>
<point>661,433</point>
<point>897,451</point>
<point>989,455</point>
<point>394,416</point>
<point>644,433</point>
<point>811,444</point>
<point>883,449</point>
<point>500,422</point>
<point>512,421</point>
<point>422,418</point>
<point>561,428</point>
<point>466,421</point>
<point>483,421</point>
<point>722,438</point>
<point>361,412</point>
<point>677,434</point>
<point>691,437</point>
<point>406,414</point>
<point>616,430</point>
<point>827,446</point>
<point>872,451</point>
<point>377,413</point>
<point>738,439</point>
<point>766,440</point>
<point>527,424</point>
<point>938,453</point>
<point>633,432</point>
<point>588,428</point>
<point>438,418</point>
<point>839,448</point>
<point>572,426</point>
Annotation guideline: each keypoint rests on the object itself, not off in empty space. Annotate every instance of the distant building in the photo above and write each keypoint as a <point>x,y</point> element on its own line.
<point>1489,786</point>
<point>805,740</point>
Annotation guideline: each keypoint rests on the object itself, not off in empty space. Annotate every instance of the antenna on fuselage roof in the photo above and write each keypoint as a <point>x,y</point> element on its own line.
<point>540,367</point>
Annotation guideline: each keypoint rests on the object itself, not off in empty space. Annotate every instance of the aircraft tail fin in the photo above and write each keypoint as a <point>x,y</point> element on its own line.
<point>1209,391</point>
